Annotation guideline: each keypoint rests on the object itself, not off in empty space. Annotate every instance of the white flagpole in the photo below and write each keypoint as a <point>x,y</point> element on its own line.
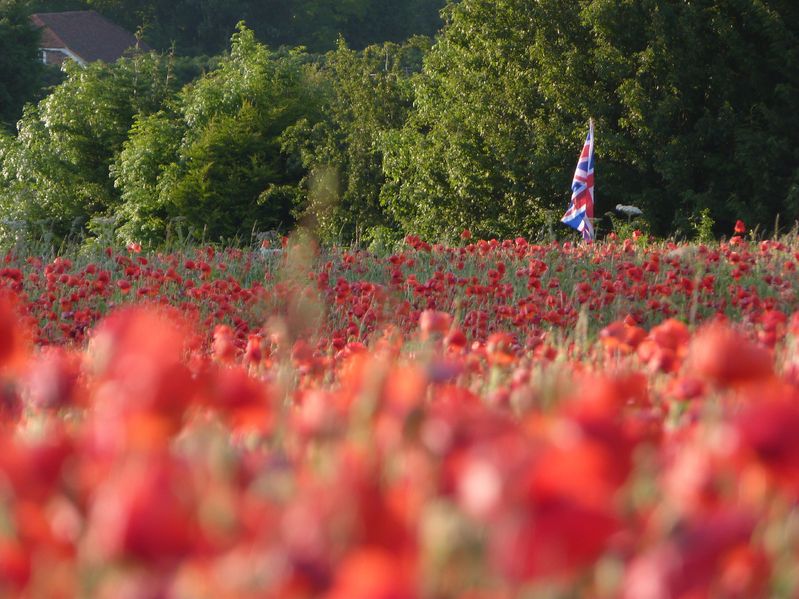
<point>591,154</point>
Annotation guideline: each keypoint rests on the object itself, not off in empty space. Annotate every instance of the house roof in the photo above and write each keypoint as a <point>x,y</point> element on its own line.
<point>86,34</point>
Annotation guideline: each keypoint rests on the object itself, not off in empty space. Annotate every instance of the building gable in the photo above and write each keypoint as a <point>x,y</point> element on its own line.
<point>84,35</point>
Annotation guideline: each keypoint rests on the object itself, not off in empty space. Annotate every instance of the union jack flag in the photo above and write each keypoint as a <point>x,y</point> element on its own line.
<point>581,208</point>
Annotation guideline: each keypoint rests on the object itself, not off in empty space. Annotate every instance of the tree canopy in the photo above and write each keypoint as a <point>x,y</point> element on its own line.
<point>20,67</point>
<point>54,173</point>
<point>368,94</point>
<point>694,103</point>
<point>205,26</point>
<point>212,161</point>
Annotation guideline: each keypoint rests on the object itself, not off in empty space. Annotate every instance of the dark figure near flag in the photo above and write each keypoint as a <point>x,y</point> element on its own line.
<point>581,209</point>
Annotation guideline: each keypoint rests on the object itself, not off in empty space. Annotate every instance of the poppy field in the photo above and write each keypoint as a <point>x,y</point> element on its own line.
<point>495,420</point>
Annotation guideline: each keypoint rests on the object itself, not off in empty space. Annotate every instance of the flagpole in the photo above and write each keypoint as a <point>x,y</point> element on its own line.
<point>581,206</point>
<point>591,128</point>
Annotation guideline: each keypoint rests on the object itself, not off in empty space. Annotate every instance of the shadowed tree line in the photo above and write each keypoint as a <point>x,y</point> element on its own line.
<point>205,26</point>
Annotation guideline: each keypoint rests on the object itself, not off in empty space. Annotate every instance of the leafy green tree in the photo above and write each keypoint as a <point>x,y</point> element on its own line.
<point>20,66</point>
<point>55,174</point>
<point>694,103</point>
<point>153,143</point>
<point>215,164</point>
<point>469,156</point>
<point>707,96</point>
<point>368,94</point>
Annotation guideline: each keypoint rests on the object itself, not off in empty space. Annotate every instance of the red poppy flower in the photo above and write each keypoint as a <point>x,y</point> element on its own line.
<point>373,573</point>
<point>146,512</point>
<point>725,357</point>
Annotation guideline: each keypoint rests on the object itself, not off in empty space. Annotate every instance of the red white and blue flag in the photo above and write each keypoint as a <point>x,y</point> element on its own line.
<point>581,209</point>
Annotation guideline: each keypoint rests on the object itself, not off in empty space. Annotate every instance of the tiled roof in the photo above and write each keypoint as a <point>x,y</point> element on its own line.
<point>86,34</point>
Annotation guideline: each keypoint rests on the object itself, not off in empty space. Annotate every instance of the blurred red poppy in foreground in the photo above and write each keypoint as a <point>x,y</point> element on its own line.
<point>725,357</point>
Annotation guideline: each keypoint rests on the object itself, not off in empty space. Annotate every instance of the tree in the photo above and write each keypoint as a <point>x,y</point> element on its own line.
<point>317,24</point>
<point>368,94</point>
<point>394,21</point>
<point>709,102</point>
<point>214,163</point>
<point>20,67</point>
<point>152,144</point>
<point>55,174</point>
<point>694,103</point>
<point>205,26</point>
<point>467,156</point>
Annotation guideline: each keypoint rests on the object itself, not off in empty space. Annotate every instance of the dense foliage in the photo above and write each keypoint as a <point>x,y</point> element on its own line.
<point>20,67</point>
<point>241,148</point>
<point>369,95</point>
<point>54,175</point>
<point>205,26</point>
<point>694,102</point>
<point>212,159</point>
